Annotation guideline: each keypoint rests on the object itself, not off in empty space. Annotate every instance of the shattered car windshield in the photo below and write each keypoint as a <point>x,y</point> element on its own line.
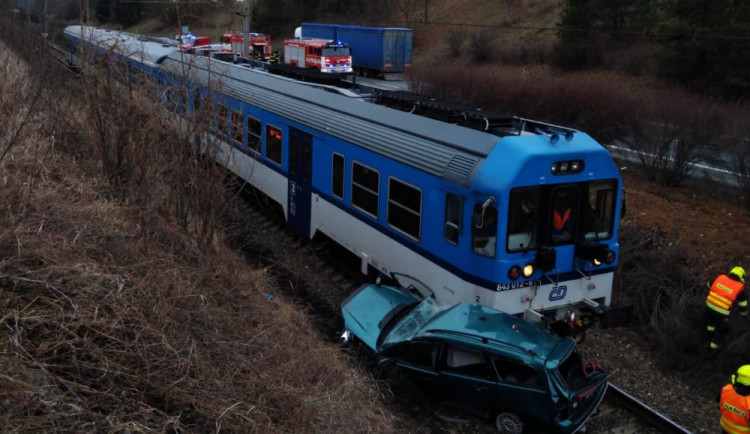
<point>413,321</point>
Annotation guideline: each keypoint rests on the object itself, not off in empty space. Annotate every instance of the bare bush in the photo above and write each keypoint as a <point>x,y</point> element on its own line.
<point>668,298</point>
<point>593,105</point>
<point>525,54</point>
<point>480,45</point>
<point>21,93</point>
<point>671,136</point>
<point>455,41</point>
<point>631,59</point>
<point>737,146</point>
<point>119,320</point>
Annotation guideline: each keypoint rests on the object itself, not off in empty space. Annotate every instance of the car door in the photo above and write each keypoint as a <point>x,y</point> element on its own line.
<point>522,389</point>
<point>418,361</point>
<point>468,380</point>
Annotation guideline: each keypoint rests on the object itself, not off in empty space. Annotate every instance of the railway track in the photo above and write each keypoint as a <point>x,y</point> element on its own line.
<point>318,276</point>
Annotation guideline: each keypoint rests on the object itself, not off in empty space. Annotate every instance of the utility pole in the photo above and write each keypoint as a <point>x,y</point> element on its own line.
<point>245,27</point>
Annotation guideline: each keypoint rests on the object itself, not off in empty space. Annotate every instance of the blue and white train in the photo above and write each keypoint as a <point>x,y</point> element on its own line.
<point>522,218</point>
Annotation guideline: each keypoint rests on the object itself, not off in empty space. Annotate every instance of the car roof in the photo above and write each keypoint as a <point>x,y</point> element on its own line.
<point>474,323</point>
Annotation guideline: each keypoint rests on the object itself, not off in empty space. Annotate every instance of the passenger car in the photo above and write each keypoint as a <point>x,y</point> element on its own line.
<point>467,209</point>
<point>478,359</point>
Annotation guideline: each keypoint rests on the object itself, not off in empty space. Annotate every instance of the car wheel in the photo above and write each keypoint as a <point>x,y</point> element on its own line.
<point>509,423</point>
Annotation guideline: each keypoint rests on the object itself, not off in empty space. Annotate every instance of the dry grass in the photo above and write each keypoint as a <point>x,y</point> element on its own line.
<point>118,318</point>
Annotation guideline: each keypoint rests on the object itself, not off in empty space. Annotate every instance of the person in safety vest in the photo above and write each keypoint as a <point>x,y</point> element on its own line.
<point>561,218</point>
<point>274,57</point>
<point>734,403</point>
<point>723,293</point>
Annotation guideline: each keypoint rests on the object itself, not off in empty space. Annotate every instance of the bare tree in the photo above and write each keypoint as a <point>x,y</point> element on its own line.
<point>455,41</point>
<point>671,138</point>
<point>737,147</point>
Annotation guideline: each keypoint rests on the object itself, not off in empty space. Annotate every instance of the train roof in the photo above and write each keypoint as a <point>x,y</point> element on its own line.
<point>146,49</point>
<point>439,148</point>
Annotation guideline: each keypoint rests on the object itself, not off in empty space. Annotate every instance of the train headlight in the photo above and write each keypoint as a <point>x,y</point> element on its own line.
<point>514,272</point>
<point>597,254</point>
<point>528,270</point>
<point>569,167</point>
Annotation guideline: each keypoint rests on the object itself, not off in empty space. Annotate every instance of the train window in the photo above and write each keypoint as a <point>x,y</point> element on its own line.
<point>182,99</point>
<point>253,134</point>
<point>523,216</point>
<point>563,215</point>
<point>237,127</point>
<point>133,76</point>
<point>365,188</point>
<point>222,119</point>
<point>601,210</point>
<point>404,207</point>
<point>273,144</point>
<point>197,100</point>
<point>484,230</point>
<point>337,183</point>
<point>452,227</point>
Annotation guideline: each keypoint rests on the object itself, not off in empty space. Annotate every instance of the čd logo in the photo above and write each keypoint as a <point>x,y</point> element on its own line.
<point>558,293</point>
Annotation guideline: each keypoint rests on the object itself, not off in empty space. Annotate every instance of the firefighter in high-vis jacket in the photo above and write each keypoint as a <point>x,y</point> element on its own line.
<point>274,59</point>
<point>734,403</point>
<point>726,290</point>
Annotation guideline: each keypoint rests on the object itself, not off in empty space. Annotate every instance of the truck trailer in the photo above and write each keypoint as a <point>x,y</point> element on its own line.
<point>384,52</point>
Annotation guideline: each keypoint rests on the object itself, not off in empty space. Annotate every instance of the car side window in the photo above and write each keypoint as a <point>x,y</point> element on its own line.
<point>516,373</point>
<point>422,354</point>
<point>468,362</point>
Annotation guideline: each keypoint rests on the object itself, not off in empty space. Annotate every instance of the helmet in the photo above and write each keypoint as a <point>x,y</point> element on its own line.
<point>742,376</point>
<point>739,272</point>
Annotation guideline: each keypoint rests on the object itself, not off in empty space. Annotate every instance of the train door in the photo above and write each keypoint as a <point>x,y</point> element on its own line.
<point>300,180</point>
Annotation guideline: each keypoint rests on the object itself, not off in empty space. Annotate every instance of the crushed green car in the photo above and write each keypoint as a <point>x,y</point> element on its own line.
<point>478,359</point>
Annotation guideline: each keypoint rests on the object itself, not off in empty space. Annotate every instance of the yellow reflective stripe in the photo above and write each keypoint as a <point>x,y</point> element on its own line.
<point>719,300</point>
<point>742,303</point>
<point>710,328</point>
<point>717,309</point>
<point>732,428</point>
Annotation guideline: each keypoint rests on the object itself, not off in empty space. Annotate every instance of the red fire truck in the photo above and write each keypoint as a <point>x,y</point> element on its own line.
<point>189,42</point>
<point>259,45</point>
<point>321,54</point>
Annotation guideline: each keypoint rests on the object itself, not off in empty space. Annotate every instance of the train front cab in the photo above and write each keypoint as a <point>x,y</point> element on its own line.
<point>553,249</point>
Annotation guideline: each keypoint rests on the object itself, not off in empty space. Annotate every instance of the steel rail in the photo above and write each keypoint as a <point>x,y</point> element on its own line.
<point>640,409</point>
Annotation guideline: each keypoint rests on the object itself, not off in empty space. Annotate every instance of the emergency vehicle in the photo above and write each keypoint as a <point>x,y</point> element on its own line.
<point>189,42</point>
<point>260,44</point>
<point>321,54</point>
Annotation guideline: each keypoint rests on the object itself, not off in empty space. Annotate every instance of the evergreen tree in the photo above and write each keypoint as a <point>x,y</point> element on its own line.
<point>587,26</point>
<point>707,45</point>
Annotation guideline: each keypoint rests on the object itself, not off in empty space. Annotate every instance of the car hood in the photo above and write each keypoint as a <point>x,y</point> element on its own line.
<point>370,307</point>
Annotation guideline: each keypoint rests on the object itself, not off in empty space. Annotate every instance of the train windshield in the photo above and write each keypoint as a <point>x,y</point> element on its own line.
<point>564,214</point>
<point>522,220</point>
<point>601,210</point>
